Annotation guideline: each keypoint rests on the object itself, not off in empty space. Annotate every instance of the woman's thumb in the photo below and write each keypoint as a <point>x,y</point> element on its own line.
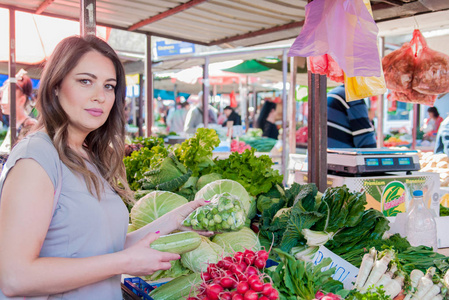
<point>151,237</point>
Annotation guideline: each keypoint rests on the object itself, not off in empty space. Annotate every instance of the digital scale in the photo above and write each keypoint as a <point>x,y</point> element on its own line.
<point>360,161</point>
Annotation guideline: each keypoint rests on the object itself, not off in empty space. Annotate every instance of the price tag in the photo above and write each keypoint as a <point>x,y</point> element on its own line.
<point>344,271</point>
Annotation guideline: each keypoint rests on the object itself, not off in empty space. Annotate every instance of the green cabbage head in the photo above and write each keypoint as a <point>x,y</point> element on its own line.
<point>154,205</point>
<point>207,252</point>
<point>236,241</point>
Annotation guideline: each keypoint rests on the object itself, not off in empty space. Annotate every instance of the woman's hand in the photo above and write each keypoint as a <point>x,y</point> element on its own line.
<point>179,214</point>
<point>142,260</point>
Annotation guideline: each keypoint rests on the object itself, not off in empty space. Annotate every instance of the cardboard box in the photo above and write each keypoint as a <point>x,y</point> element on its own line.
<point>390,193</point>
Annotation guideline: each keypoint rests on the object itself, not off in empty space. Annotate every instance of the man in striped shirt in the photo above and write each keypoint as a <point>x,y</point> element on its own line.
<point>348,125</point>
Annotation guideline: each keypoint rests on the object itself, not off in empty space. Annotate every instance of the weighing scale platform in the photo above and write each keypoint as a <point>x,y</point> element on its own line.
<point>369,161</point>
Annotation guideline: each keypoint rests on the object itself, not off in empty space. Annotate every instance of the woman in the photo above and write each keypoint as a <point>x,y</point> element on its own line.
<point>72,243</point>
<point>432,123</point>
<point>24,98</point>
<point>266,120</point>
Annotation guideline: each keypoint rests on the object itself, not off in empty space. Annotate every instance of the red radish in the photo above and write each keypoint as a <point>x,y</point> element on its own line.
<point>263,298</point>
<point>259,263</point>
<point>226,296</point>
<point>227,282</point>
<point>319,295</point>
<point>237,268</point>
<point>253,278</point>
<point>238,256</point>
<point>228,273</point>
<point>213,291</point>
<point>274,295</point>
<point>216,281</point>
<point>242,287</point>
<point>220,264</point>
<point>192,298</point>
<point>206,276</point>
<point>256,286</point>
<point>242,277</point>
<point>262,254</point>
<point>237,297</point>
<point>250,295</point>
<point>243,266</point>
<point>267,289</point>
<point>251,271</point>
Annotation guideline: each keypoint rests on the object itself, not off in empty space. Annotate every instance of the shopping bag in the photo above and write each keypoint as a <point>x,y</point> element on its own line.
<point>325,65</point>
<point>345,30</point>
<point>360,87</point>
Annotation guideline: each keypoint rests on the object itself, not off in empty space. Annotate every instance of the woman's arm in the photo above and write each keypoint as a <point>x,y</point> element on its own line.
<point>25,215</point>
<point>167,223</point>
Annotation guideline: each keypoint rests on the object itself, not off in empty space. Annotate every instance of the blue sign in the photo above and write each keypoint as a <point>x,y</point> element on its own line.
<point>165,49</point>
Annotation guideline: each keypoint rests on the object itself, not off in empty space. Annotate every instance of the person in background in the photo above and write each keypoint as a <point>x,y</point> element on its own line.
<point>65,234</point>
<point>176,119</point>
<point>267,119</point>
<point>431,124</point>
<point>231,115</point>
<point>442,138</point>
<point>24,100</point>
<point>348,124</point>
<point>194,118</point>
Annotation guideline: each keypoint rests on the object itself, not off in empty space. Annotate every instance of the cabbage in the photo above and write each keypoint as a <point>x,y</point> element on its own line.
<point>154,205</point>
<point>236,241</point>
<point>228,186</point>
<point>208,178</point>
<point>207,252</point>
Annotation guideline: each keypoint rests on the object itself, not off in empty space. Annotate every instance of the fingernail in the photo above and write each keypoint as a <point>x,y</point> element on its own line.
<point>157,232</point>
<point>207,201</point>
<point>179,257</point>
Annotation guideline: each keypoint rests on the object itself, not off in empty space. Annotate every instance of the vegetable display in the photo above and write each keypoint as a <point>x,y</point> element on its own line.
<point>224,213</point>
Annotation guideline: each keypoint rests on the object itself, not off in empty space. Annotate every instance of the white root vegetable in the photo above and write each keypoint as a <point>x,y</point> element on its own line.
<point>446,278</point>
<point>365,268</point>
<point>434,290</point>
<point>379,268</point>
<point>394,287</point>
<point>424,284</point>
<point>438,297</point>
<point>415,276</point>
<point>387,277</point>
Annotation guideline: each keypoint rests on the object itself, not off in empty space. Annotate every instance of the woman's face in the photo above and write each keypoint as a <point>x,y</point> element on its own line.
<point>432,115</point>
<point>20,100</point>
<point>87,93</point>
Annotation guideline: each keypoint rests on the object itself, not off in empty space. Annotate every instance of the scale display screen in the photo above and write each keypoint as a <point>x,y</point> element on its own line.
<point>404,161</point>
<point>372,162</point>
<point>387,162</point>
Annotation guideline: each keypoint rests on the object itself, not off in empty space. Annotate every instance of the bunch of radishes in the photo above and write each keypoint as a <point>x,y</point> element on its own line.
<point>237,277</point>
<point>239,147</point>
<point>329,296</point>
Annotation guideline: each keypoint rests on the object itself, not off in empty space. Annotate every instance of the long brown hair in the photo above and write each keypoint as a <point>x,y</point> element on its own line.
<point>105,145</point>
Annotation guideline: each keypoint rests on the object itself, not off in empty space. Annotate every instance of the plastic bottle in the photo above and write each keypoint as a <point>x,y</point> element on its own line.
<point>420,226</point>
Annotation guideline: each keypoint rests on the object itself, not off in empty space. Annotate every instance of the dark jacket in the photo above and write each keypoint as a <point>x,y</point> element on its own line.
<point>234,117</point>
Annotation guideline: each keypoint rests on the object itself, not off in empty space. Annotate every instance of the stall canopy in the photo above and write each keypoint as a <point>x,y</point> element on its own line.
<point>228,23</point>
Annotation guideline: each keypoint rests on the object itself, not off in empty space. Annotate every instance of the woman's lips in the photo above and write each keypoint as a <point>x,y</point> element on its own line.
<point>96,112</point>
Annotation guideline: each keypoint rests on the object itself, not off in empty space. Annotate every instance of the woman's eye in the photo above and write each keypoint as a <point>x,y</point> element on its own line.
<point>85,81</point>
<point>110,86</point>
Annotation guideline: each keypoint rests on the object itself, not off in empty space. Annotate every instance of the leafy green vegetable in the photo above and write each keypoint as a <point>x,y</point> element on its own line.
<point>198,259</point>
<point>236,241</point>
<point>444,211</point>
<point>149,142</point>
<point>153,206</point>
<point>254,173</point>
<point>206,179</point>
<point>176,270</point>
<point>378,294</point>
<point>196,153</point>
<point>170,175</point>
<point>142,161</point>
<point>299,280</point>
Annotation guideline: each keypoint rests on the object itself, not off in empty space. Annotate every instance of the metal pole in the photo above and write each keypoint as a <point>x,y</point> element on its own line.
<point>175,94</point>
<point>12,76</point>
<point>206,92</point>
<point>141,105</point>
<point>380,105</point>
<point>88,17</point>
<point>149,87</point>
<point>292,106</point>
<point>415,124</point>
<point>317,130</point>
<point>284,116</point>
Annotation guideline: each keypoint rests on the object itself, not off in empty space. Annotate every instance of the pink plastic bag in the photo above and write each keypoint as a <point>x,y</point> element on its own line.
<point>326,65</point>
<point>345,30</point>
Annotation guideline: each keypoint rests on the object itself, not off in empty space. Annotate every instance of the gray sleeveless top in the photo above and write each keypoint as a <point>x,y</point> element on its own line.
<point>81,226</point>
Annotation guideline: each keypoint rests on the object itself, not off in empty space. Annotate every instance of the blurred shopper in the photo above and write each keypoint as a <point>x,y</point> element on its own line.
<point>266,121</point>
<point>176,118</point>
<point>231,115</point>
<point>431,124</point>
<point>194,118</point>
<point>24,101</point>
<point>348,124</point>
<point>442,139</point>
